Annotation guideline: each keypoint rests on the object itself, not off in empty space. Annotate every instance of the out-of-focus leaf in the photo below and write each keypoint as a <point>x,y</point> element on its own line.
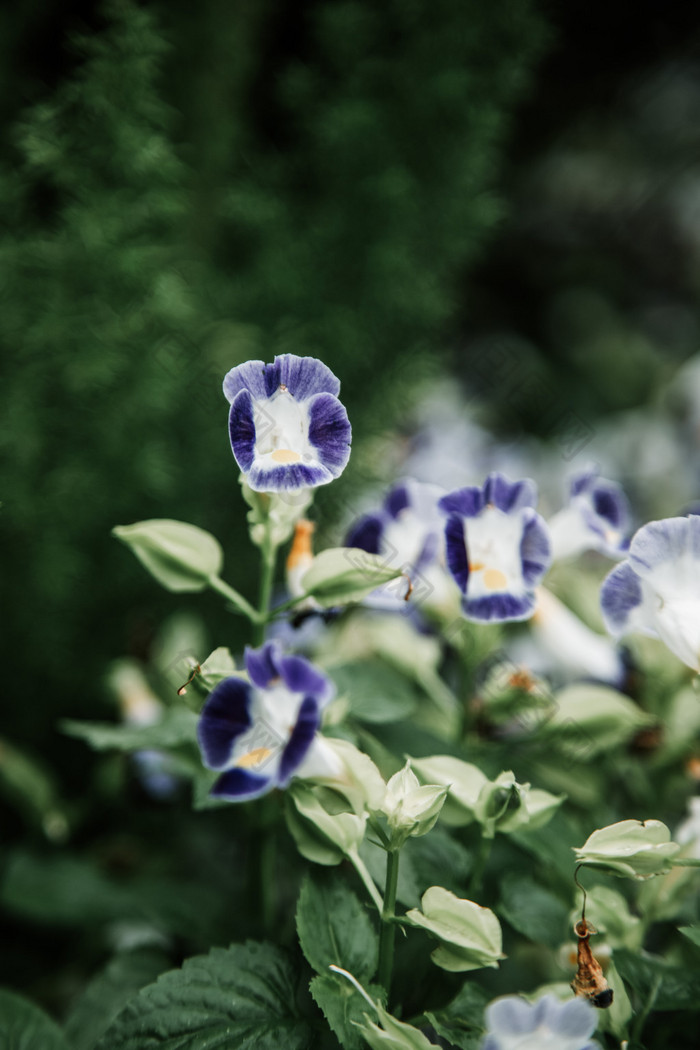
<point>341,575</point>
<point>181,557</point>
<point>375,692</point>
<point>533,910</point>
<point>674,987</point>
<point>177,727</point>
<point>109,991</point>
<point>23,1026</point>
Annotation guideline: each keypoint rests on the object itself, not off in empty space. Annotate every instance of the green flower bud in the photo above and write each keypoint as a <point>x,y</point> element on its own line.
<point>636,849</point>
<point>469,935</point>
<point>411,810</point>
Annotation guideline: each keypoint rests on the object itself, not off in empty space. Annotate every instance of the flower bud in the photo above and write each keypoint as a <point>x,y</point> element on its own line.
<point>411,810</point>
<point>636,849</point>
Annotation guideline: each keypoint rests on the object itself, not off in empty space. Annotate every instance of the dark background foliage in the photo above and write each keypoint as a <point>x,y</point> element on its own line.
<point>391,187</point>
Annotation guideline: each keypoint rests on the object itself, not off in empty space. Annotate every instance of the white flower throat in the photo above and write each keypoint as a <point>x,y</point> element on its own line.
<point>281,428</point>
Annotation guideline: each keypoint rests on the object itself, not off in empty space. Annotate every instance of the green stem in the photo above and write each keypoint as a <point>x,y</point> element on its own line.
<point>236,599</point>
<point>388,930</point>
<point>269,560</point>
<point>479,864</point>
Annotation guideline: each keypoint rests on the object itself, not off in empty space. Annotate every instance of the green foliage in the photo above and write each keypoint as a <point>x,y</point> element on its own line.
<point>343,1007</point>
<point>460,1022</point>
<point>655,981</point>
<point>533,910</point>
<point>181,557</point>
<point>334,928</point>
<point>24,1026</point>
<point>245,995</point>
<point>177,727</point>
<point>108,993</point>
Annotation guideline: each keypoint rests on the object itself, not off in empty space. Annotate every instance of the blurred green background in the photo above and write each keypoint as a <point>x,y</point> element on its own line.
<point>396,188</point>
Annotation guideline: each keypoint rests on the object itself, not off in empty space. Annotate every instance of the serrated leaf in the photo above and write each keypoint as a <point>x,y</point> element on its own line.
<point>334,928</point>
<point>343,1007</point>
<point>181,557</point>
<point>177,727</point>
<point>675,987</point>
<point>533,910</point>
<point>23,1026</point>
<point>341,575</point>
<point>109,992</point>
<point>244,996</point>
<point>461,1021</point>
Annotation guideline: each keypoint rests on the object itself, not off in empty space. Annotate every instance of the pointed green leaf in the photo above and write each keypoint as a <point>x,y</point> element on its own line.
<point>342,575</point>
<point>343,1007</point>
<point>178,726</point>
<point>244,996</point>
<point>334,928</point>
<point>181,557</point>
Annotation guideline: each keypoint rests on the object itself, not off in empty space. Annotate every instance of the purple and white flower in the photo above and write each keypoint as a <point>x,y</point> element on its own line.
<point>595,518</point>
<point>656,589</point>
<point>497,547</point>
<point>408,532</point>
<point>260,733</point>
<point>548,1024</point>
<point>287,427</point>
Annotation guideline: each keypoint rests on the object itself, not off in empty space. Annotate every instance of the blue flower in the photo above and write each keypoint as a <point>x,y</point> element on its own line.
<point>498,548</point>
<point>595,518</point>
<point>287,427</point>
<point>656,589</point>
<point>548,1024</point>
<point>260,733</point>
<point>408,532</point>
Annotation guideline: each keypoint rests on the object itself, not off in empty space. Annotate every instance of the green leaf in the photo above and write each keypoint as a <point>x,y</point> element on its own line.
<point>461,1022</point>
<point>30,786</point>
<point>342,575</point>
<point>107,993</point>
<point>181,557</point>
<point>178,726</point>
<point>244,996</point>
<point>334,927</point>
<point>65,890</point>
<point>343,1007</point>
<point>469,936</point>
<point>23,1026</point>
<point>692,933</point>
<point>587,720</point>
<point>675,987</point>
<point>533,910</point>
<point>374,691</point>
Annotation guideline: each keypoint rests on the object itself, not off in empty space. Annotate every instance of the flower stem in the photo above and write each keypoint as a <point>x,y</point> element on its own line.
<point>236,599</point>
<point>479,864</point>
<point>388,930</point>
<point>269,560</point>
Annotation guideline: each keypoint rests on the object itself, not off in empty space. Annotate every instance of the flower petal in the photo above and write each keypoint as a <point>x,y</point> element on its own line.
<point>456,550</point>
<point>225,716</point>
<point>509,495</point>
<point>626,602</point>
<point>241,429</point>
<point>535,548</point>
<point>300,741</point>
<point>238,785</point>
<point>366,534</point>
<point>667,554</point>
<point>300,676</point>
<point>249,376</point>
<point>499,607</point>
<point>305,376</point>
<point>263,664</point>
<point>330,432</point>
